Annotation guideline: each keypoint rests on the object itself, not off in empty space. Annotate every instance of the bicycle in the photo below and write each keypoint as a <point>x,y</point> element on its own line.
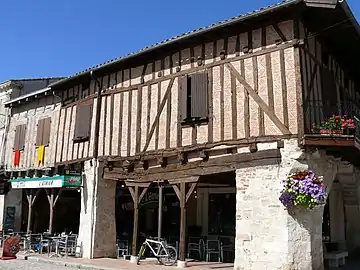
<point>164,253</point>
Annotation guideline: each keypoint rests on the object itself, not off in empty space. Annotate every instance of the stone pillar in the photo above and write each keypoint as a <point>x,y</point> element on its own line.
<point>97,230</point>
<point>268,236</point>
<point>14,199</point>
<point>2,212</point>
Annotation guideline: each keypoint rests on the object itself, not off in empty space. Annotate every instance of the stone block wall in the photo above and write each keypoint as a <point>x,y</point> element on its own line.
<point>97,229</point>
<point>267,235</point>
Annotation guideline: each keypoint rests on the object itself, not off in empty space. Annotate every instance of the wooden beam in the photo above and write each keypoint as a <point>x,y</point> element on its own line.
<point>177,191</point>
<point>270,113</point>
<point>279,32</point>
<point>191,190</point>
<point>160,109</point>
<point>203,67</point>
<point>193,179</point>
<point>31,197</point>
<point>182,222</point>
<point>143,192</point>
<point>197,168</point>
<point>199,147</point>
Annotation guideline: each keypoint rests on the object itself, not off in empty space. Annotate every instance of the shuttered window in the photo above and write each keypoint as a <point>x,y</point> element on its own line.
<point>43,132</point>
<point>194,104</point>
<point>83,121</point>
<point>19,141</point>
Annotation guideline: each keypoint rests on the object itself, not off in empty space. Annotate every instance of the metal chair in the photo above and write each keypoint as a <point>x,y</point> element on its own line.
<point>213,247</point>
<point>196,244</point>
<point>122,248</point>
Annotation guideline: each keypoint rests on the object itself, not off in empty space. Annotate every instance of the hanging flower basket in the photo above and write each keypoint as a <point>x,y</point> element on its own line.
<point>303,189</point>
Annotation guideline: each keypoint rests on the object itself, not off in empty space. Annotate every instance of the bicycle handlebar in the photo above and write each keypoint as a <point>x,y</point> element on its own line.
<point>152,237</point>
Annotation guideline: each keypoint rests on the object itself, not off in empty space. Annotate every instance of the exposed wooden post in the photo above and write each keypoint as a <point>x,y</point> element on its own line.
<point>31,197</point>
<point>134,189</point>
<point>52,202</point>
<point>179,186</point>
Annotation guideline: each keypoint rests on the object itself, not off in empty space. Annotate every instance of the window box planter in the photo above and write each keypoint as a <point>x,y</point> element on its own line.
<point>330,131</point>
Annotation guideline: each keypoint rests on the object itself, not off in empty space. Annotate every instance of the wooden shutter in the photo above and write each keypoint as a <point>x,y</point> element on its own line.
<point>39,133</point>
<point>183,89</point>
<point>22,137</point>
<point>16,139</point>
<point>199,95</point>
<point>83,122</point>
<point>46,131</point>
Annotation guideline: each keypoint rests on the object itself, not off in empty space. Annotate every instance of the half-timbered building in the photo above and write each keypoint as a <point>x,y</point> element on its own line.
<point>10,203</point>
<point>231,106</point>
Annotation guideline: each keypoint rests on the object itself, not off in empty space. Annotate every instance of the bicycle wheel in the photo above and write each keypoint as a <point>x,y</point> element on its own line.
<point>168,256</point>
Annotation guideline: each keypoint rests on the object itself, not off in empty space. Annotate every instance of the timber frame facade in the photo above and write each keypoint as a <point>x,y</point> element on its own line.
<point>220,99</point>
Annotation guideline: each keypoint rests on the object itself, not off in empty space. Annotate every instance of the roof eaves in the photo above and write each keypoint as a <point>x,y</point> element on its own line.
<point>202,30</point>
<point>38,92</point>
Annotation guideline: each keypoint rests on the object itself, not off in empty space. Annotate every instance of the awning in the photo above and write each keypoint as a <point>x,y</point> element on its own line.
<point>57,181</point>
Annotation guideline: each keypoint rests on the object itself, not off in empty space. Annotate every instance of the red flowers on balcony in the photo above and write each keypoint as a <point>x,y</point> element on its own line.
<point>337,124</point>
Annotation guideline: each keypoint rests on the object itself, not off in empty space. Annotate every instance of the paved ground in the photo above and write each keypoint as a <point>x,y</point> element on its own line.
<point>29,265</point>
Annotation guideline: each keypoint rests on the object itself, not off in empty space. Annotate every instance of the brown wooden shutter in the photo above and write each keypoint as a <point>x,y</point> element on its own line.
<point>46,131</point>
<point>22,137</point>
<point>199,95</point>
<point>16,139</point>
<point>39,133</point>
<point>183,88</point>
<point>83,121</point>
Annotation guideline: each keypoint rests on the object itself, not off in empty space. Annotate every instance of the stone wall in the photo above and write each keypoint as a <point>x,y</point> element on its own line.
<point>97,230</point>
<point>267,235</point>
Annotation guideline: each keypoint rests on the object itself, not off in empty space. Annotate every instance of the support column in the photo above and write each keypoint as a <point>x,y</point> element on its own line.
<point>135,189</point>
<point>267,234</point>
<point>13,203</point>
<point>160,210</point>
<point>97,229</point>
<point>183,195</point>
<point>52,196</point>
<point>31,197</point>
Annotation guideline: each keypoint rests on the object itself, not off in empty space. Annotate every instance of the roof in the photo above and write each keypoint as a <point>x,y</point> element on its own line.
<point>197,32</point>
<point>183,36</point>
<point>31,94</point>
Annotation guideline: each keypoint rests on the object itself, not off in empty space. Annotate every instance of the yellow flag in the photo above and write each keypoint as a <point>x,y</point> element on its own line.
<point>40,156</point>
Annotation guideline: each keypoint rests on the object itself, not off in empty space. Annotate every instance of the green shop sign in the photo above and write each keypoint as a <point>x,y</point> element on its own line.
<point>56,181</point>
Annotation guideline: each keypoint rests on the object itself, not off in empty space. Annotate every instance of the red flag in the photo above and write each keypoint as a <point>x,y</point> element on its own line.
<point>17,158</point>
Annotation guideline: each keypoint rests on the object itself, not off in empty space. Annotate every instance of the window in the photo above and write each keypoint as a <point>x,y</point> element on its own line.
<point>19,141</point>
<point>83,121</point>
<point>43,132</point>
<point>194,97</point>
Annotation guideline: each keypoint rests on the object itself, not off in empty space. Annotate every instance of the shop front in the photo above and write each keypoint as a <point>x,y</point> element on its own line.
<point>42,195</point>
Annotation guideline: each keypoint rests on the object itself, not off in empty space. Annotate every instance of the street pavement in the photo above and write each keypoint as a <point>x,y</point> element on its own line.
<point>29,265</point>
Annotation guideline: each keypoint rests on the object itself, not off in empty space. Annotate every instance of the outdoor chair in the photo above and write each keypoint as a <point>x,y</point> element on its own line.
<point>31,242</point>
<point>67,245</point>
<point>196,244</point>
<point>122,248</point>
<point>213,247</point>
<point>45,242</point>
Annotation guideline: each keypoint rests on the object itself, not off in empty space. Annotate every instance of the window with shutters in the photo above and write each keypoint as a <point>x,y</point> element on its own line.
<point>19,141</point>
<point>43,132</point>
<point>194,98</point>
<point>83,121</point>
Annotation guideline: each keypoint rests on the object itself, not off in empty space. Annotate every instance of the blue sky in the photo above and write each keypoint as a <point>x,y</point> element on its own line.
<point>42,38</point>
